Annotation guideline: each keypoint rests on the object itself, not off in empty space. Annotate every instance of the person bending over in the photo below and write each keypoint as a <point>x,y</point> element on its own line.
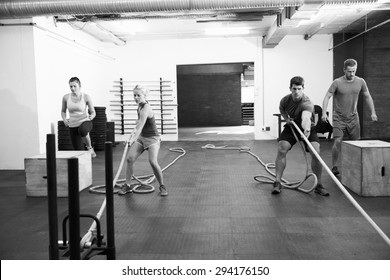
<point>145,136</point>
<point>297,107</point>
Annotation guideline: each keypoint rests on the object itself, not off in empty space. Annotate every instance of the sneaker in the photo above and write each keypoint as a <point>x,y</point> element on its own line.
<point>277,188</point>
<point>163,190</point>
<point>125,189</point>
<point>92,152</point>
<point>321,190</point>
<point>335,171</point>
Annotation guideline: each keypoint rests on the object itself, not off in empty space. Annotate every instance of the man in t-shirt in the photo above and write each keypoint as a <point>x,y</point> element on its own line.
<point>297,107</point>
<point>345,91</point>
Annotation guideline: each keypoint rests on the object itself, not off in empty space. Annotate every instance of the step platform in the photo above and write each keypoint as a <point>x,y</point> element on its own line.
<point>35,169</point>
<point>365,167</point>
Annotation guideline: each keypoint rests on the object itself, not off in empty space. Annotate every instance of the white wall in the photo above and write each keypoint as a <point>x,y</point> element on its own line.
<point>18,96</point>
<point>152,59</point>
<point>295,56</point>
<point>140,60</point>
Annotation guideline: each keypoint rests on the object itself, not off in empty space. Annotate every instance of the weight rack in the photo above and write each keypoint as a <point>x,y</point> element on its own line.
<point>160,98</point>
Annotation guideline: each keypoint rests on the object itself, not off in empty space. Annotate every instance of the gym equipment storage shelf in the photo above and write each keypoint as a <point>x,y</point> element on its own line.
<point>160,98</point>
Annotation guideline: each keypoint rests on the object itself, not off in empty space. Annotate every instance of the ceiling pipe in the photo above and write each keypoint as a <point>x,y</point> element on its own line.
<point>98,32</point>
<point>183,15</point>
<point>357,35</point>
<point>61,38</point>
<point>21,8</point>
<point>348,2</point>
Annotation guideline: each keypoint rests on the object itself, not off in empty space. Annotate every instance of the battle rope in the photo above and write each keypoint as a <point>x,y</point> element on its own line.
<point>286,184</point>
<point>268,166</point>
<point>92,230</point>
<point>342,188</point>
<point>140,187</point>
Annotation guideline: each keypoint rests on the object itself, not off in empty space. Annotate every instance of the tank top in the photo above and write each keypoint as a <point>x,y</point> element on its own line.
<point>77,111</point>
<point>150,128</point>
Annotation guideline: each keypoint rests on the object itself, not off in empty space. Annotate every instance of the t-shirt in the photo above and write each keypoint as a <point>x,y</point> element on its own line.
<point>346,95</point>
<point>294,109</point>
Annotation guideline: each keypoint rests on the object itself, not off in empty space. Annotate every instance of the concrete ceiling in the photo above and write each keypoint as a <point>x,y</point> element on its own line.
<point>272,23</point>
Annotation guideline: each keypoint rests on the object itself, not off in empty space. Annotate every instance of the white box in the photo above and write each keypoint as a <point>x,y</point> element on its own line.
<point>36,172</point>
<point>365,167</point>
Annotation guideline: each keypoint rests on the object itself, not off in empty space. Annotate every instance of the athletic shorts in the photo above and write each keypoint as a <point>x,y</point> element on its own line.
<point>287,135</point>
<point>146,142</point>
<point>77,132</point>
<point>343,128</point>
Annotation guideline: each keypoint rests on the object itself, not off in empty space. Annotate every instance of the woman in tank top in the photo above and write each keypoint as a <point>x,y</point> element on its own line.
<point>145,136</point>
<point>79,121</point>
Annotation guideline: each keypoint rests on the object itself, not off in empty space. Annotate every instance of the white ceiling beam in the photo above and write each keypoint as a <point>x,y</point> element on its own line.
<point>280,28</point>
<point>288,19</point>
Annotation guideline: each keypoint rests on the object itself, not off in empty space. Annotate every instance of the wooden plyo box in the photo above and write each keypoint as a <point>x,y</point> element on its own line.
<point>365,167</point>
<point>35,169</point>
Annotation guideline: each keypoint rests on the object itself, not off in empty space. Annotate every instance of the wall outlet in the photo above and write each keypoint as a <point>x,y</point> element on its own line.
<point>267,128</point>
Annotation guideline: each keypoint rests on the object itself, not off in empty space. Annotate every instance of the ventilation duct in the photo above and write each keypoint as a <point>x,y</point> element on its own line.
<point>18,8</point>
<point>22,8</point>
<point>346,2</point>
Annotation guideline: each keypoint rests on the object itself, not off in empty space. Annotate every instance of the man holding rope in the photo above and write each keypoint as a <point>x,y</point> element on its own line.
<point>297,107</point>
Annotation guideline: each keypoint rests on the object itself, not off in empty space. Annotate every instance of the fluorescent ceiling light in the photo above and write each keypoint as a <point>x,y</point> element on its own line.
<point>226,31</point>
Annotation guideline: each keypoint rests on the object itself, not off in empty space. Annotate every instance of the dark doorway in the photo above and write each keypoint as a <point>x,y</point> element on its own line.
<point>209,95</point>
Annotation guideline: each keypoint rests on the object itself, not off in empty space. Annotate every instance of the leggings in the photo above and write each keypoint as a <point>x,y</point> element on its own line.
<point>76,133</point>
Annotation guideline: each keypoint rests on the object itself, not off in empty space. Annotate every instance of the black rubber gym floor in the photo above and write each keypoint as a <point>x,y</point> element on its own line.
<point>215,210</point>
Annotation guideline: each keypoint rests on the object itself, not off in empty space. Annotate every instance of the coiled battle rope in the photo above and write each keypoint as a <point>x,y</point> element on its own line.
<point>142,186</point>
<point>91,233</point>
<point>286,184</point>
<point>268,166</point>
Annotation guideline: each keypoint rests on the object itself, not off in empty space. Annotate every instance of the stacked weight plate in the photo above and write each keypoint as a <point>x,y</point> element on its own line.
<point>64,142</point>
<point>99,131</point>
<point>102,131</point>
